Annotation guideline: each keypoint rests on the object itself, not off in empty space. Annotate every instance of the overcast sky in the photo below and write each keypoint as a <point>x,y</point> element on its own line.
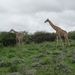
<point>29,15</point>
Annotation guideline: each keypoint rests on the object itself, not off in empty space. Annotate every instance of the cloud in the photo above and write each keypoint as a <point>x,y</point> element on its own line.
<point>29,15</point>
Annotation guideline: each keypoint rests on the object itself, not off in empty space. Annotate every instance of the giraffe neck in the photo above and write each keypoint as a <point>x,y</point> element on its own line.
<point>15,32</point>
<point>53,26</point>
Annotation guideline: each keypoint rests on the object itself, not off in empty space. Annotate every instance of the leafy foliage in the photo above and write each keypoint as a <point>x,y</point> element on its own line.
<point>39,37</point>
<point>37,59</point>
<point>72,35</point>
<point>7,38</point>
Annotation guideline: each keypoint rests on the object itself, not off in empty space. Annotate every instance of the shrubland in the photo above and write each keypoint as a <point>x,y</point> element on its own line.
<point>8,39</point>
<point>38,55</point>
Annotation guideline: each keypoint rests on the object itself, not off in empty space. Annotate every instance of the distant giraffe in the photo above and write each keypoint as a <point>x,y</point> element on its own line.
<point>18,37</point>
<point>59,32</point>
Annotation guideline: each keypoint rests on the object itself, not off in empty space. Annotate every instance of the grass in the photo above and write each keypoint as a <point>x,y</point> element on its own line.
<point>37,59</point>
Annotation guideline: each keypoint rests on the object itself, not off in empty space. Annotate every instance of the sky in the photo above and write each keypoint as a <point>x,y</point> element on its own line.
<point>29,15</point>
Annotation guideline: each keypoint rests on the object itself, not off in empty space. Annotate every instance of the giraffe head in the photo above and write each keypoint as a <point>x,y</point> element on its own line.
<point>11,30</point>
<point>47,20</point>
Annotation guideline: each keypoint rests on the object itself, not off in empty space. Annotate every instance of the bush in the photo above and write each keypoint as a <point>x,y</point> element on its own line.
<point>39,37</point>
<point>25,70</point>
<point>1,45</point>
<point>72,35</point>
<point>5,64</point>
<point>72,58</point>
<point>13,68</point>
<point>7,39</point>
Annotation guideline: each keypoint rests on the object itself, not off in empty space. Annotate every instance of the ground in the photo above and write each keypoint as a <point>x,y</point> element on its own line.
<point>38,59</point>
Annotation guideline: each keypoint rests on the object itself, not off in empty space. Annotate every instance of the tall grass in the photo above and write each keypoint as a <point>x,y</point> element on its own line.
<point>37,59</point>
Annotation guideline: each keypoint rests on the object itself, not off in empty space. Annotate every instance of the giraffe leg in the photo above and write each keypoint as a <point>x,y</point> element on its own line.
<point>61,41</point>
<point>68,43</point>
<point>19,42</point>
<point>67,40</point>
<point>57,41</point>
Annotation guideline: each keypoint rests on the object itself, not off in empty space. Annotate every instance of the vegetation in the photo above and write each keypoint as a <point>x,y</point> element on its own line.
<point>36,57</point>
<point>7,39</point>
<point>72,35</point>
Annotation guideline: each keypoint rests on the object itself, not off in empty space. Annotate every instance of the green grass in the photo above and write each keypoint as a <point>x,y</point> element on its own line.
<point>38,59</point>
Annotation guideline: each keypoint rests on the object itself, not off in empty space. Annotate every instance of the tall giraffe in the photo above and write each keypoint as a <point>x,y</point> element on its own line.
<point>59,32</point>
<point>18,37</point>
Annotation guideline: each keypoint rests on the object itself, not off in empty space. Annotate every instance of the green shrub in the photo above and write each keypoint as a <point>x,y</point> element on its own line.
<point>25,70</point>
<point>7,39</point>
<point>1,45</point>
<point>39,37</point>
<point>13,68</point>
<point>72,35</point>
<point>72,58</point>
<point>5,63</point>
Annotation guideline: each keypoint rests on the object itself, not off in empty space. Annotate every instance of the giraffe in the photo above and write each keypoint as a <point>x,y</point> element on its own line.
<point>59,33</point>
<point>18,37</point>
